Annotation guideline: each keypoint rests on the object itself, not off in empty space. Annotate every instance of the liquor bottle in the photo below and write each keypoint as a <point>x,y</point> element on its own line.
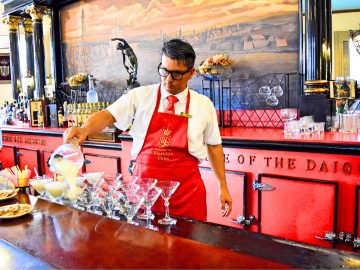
<point>79,117</point>
<point>40,117</point>
<point>87,112</point>
<point>61,117</point>
<point>70,116</point>
<point>75,115</point>
<point>65,118</point>
<point>91,95</point>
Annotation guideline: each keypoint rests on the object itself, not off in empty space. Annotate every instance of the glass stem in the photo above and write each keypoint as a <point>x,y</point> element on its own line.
<point>148,211</point>
<point>167,217</point>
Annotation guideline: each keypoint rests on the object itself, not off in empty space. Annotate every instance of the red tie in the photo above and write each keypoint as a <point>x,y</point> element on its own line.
<point>171,107</point>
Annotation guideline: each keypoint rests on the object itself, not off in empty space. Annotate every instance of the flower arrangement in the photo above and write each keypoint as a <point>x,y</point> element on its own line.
<point>78,79</point>
<point>215,66</point>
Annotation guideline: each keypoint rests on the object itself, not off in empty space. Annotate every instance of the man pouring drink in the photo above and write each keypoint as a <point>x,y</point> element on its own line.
<point>173,130</point>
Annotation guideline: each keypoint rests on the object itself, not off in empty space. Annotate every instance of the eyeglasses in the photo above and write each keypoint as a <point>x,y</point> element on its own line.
<point>176,75</point>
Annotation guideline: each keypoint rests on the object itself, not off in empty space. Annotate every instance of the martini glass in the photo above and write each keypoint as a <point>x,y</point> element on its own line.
<point>131,207</point>
<point>39,185</point>
<point>56,189</point>
<point>106,192</point>
<point>126,187</point>
<point>145,185</point>
<point>168,188</point>
<point>76,194</point>
<point>149,201</point>
<point>92,178</point>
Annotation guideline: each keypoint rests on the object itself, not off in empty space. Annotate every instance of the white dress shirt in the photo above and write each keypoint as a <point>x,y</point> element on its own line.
<point>139,104</point>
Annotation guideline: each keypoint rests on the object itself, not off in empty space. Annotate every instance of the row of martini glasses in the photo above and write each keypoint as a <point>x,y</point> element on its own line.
<point>112,193</point>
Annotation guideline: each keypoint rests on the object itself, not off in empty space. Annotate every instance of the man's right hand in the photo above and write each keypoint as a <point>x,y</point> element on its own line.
<point>75,133</point>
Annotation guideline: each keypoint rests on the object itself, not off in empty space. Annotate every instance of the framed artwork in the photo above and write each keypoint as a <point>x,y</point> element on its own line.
<point>5,76</point>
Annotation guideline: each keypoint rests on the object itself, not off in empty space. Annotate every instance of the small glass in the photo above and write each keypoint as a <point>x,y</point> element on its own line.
<point>291,128</point>
<point>318,127</point>
<point>288,114</point>
<point>348,122</point>
<point>306,124</point>
<point>335,122</point>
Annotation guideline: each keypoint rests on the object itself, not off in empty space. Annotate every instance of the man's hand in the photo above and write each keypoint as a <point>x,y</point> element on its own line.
<point>94,124</point>
<point>226,201</point>
<point>77,134</point>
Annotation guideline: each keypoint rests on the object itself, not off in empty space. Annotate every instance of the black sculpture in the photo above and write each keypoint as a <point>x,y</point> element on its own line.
<point>129,61</point>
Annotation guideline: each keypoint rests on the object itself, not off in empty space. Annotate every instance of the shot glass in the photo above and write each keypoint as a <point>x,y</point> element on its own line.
<point>318,127</point>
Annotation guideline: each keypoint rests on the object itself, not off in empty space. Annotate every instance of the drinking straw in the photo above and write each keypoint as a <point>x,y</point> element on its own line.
<point>36,172</point>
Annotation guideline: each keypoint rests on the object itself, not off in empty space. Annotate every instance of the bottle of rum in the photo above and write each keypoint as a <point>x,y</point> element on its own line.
<point>70,116</point>
<point>40,117</point>
<point>65,118</point>
<point>61,117</point>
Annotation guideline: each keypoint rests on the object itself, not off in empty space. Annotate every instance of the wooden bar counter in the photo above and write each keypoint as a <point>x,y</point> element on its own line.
<point>56,236</point>
<point>314,180</point>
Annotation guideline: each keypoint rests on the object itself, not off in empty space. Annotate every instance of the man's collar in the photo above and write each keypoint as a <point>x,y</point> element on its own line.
<point>181,96</point>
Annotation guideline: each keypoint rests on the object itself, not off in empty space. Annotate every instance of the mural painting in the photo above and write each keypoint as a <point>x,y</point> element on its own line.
<point>260,36</point>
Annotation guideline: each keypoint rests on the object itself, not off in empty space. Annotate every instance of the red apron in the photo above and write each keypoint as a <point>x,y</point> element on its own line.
<point>165,156</point>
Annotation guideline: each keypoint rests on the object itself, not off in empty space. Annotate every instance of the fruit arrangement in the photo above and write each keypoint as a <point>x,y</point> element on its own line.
<point>78,79</point>
<point>209,64</point>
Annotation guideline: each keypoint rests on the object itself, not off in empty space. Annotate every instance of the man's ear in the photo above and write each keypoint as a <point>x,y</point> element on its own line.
<point>191,72</point>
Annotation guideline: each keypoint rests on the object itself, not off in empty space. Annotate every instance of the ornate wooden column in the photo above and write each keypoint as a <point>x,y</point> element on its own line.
<point>27,24</point>
<point>318,40</point>
<point>37,12</point>
<point>13,22</point>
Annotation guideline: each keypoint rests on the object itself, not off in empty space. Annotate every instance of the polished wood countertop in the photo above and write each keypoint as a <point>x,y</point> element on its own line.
<point>56,236</point>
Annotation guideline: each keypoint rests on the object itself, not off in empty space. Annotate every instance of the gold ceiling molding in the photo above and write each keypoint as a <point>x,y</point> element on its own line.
<point>12,21</point>
<point>27,24</point>
<point>36,12</point>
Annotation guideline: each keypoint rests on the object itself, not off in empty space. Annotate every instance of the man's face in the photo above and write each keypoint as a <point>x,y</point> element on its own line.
<point>169,83</point>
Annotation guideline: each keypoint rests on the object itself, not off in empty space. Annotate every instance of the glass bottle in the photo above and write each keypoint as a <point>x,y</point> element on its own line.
<point>70,116</point>
<point>65,119</point>
<point>61,117</point>
<point>91,95</point>
<point>40,116</point>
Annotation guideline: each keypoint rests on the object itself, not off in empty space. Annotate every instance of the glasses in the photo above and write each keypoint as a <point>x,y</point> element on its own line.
<point>176,75</point>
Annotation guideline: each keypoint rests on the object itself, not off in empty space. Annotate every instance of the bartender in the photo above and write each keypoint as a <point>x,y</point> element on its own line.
<point>173,130</point>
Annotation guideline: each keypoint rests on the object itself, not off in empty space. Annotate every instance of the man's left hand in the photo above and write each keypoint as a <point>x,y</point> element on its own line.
<point>226,201</point>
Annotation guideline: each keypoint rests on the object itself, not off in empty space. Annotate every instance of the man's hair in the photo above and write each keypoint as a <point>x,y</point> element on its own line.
<point>180,50</point>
